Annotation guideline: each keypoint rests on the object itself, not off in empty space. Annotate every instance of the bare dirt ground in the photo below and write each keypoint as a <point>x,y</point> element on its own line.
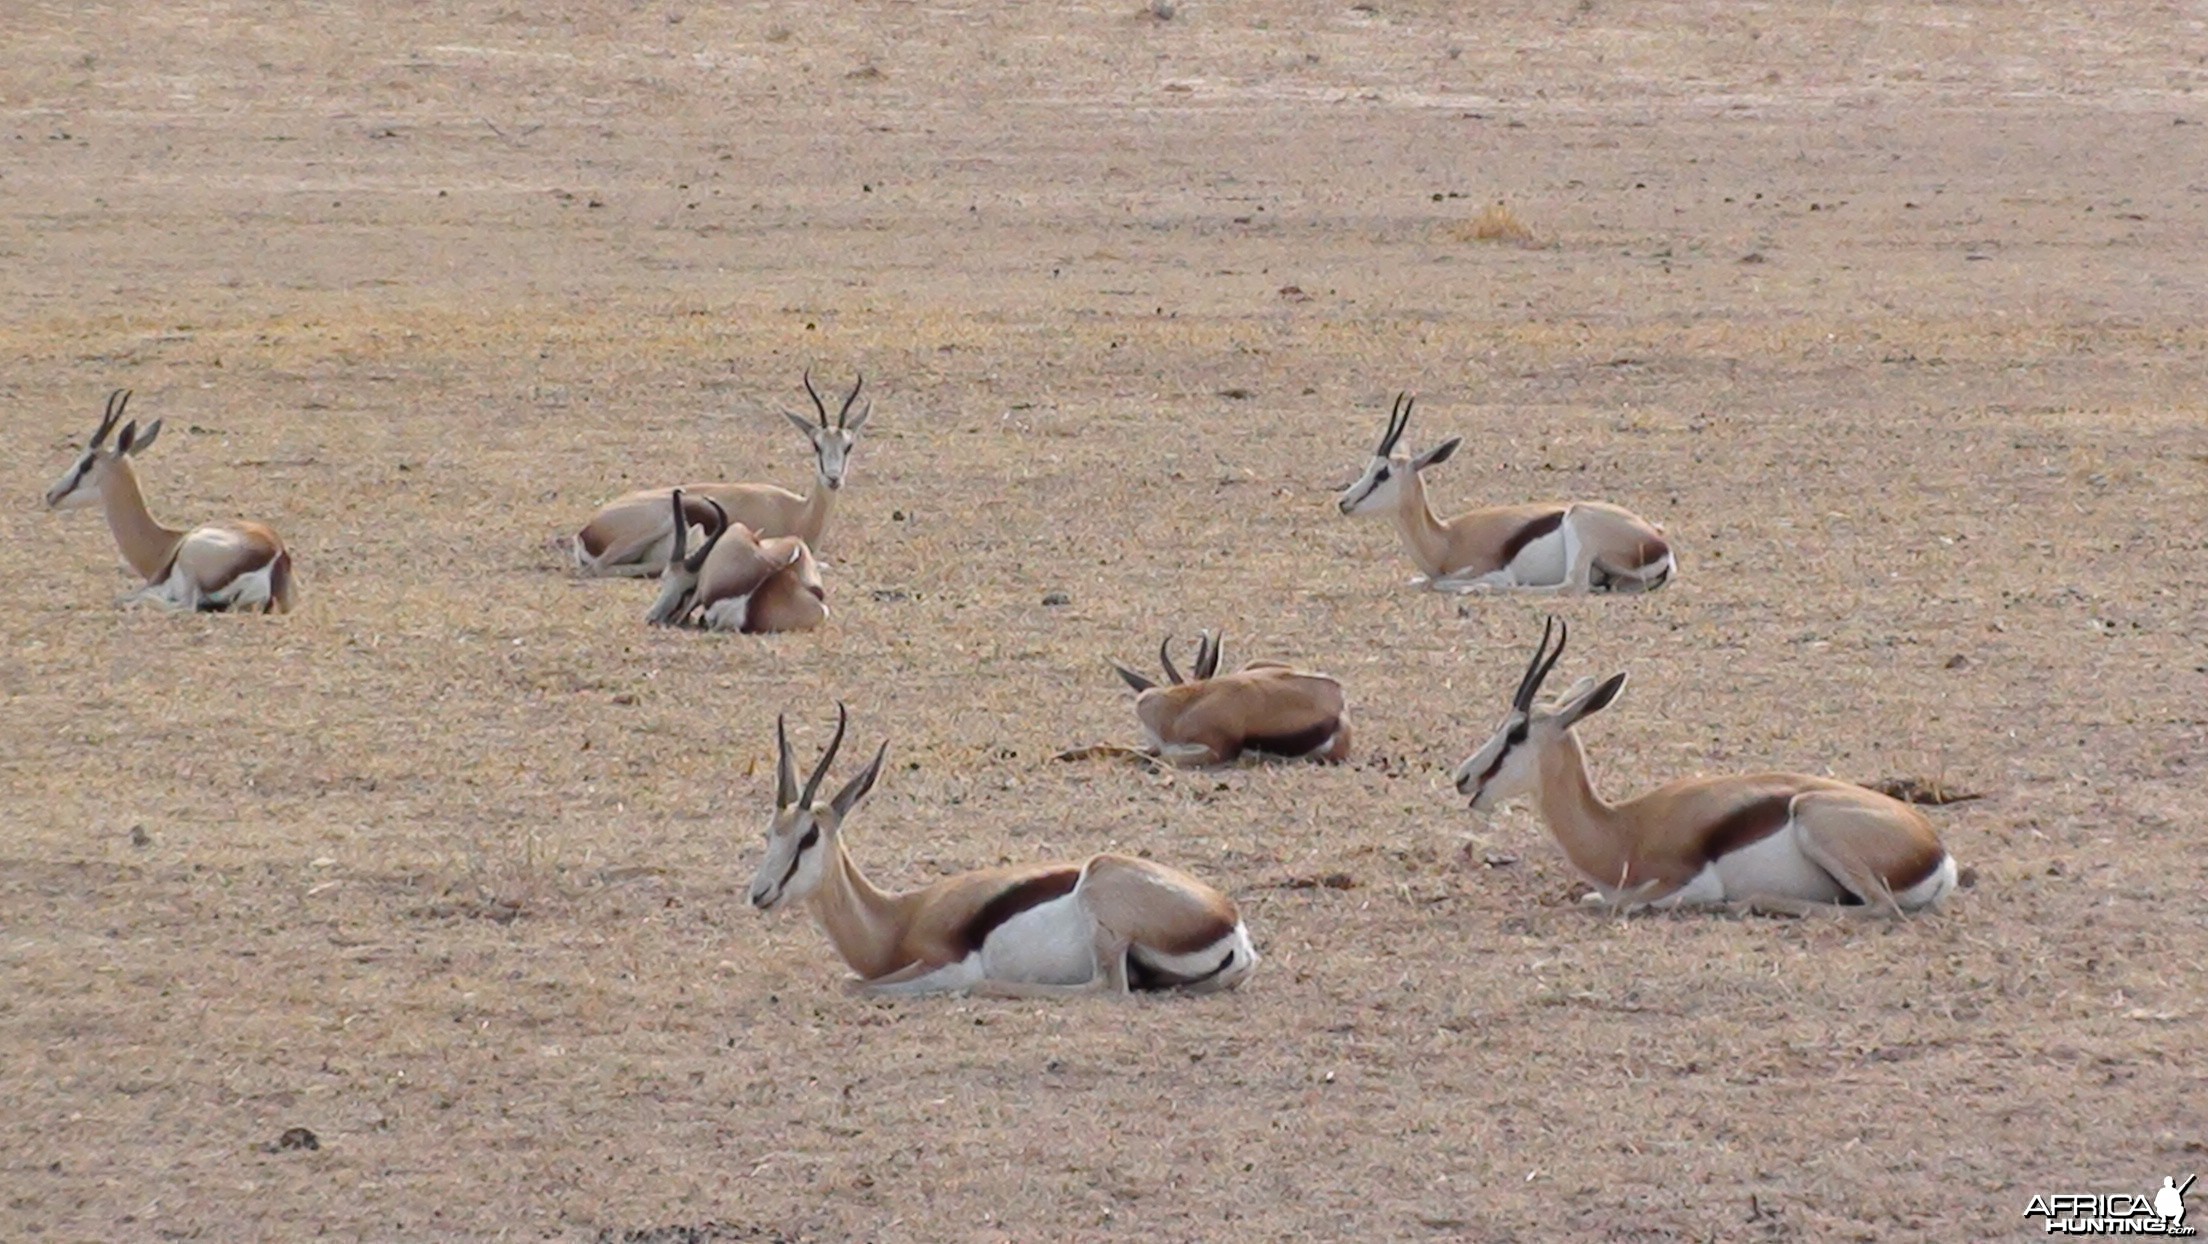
<point>1892,316</point>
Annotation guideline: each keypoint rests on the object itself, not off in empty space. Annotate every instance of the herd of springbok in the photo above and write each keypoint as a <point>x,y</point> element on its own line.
<point>740,557</point>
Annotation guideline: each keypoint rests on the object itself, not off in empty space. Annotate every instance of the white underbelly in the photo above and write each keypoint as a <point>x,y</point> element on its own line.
<point>728,613</point>
<point>1543,560</point>
<point>1052,943</point>
<point>1775,866</point>
<point>247,590</point>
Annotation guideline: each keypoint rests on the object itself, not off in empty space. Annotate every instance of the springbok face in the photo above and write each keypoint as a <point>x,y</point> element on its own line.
<point>678,581</point>
<point>79,486</point>
<point>1508,764</point>
<point>834,444</point>
<point>802,835</point>
<point>1154,704</point>
<point>1380,489</point>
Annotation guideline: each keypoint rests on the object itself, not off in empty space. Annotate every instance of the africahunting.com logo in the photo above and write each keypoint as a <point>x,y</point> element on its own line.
<point>2161,1212</point>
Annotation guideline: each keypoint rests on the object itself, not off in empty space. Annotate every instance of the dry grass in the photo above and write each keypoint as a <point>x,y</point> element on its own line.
<point>449,867</point>
<point>1495,223</point>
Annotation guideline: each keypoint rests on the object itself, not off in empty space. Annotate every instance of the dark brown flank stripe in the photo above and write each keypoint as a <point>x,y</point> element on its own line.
<point>1529,533</point>
<point>1295,743</point>
<point>1016,898</point>
<point>1746,825</point>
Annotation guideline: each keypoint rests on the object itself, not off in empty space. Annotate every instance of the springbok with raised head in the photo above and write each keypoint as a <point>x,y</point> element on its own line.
<point>212,569</point>
<point>1266,707</point>
<point>1775,841</point>
<point>632,535</point>
<point>1110,924</point>
<point>736,581</point>
<point>1576,546</point>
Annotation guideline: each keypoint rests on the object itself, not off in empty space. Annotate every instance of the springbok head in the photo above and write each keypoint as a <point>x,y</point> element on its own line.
<point>1509,763</point>
<point>1380,488</point>
<point>1207,664</point>
<point>802,835</point>
<point>678,582</point>
<point>79,486</point>
<point>833,444</point>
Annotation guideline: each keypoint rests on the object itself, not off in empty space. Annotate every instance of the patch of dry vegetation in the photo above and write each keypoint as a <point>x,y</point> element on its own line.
<point>1496,223</point>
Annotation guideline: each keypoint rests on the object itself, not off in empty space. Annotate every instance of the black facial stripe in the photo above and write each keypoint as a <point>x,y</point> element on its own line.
<point>1516,736</point>
<point>811,838</point>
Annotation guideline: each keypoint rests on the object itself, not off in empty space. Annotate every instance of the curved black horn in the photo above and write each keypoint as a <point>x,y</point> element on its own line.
<point>1537,670</point>
<point>827,758</point>
<point>1207,655</point>
<point>1165,658</point>
<point>785,772</point>
<point>847,402</point>
<point>818,405</point>
<point>682,531</point>
<point>1399,418</point>
<point>713,537</point>
<point>116,401</point>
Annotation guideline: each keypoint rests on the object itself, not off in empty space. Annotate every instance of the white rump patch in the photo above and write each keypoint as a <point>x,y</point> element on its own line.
<point>1932,889</point>
<point>1205,962</point>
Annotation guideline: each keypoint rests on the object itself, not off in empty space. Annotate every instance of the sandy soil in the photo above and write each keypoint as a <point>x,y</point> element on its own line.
<point>1892,317</point>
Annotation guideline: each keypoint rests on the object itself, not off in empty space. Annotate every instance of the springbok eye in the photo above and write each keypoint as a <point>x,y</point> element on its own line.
<point>1517,734</point>
<point>811,838</point>
<point>1380,475</point>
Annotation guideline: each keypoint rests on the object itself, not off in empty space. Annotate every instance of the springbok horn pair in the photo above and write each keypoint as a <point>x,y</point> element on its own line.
<point>1110,923</point>
<point>1577,546</point>
<point>631,536</point>
<point>1207,663</point>
<point>215,568</point>
<point>1266,706</point>
<point>1779,841</point>
<point>737,581</point>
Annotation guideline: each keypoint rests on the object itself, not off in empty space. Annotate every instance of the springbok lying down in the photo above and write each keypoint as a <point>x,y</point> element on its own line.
<point>1577,546</point>
<point>736,581</point>
<point>1265,707</point>
<point>1781,841</point>
<point>1110,924</point>
<point>631,535</point>
<point>211,569</point>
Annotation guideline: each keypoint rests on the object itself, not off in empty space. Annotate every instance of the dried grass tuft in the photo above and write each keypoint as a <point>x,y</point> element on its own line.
<point>1496,223</point>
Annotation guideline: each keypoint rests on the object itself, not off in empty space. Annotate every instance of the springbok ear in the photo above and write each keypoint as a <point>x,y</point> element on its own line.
<point>855,789</point>
<point>1437,455</point>
<point>1137,681</point>
<point>859,419</point>
<point>801,423</point>
<point>1583,707</point>
<point>145,439</point>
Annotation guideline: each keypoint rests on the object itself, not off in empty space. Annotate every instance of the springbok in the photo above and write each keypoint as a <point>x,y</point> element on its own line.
<point>736,581</point>
<point>1773,841</point>
<point>211,569</point>
<point>631,535</point>
<point>1109,924</point>
<point>1577,546</point>
<point>1266,706</point>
